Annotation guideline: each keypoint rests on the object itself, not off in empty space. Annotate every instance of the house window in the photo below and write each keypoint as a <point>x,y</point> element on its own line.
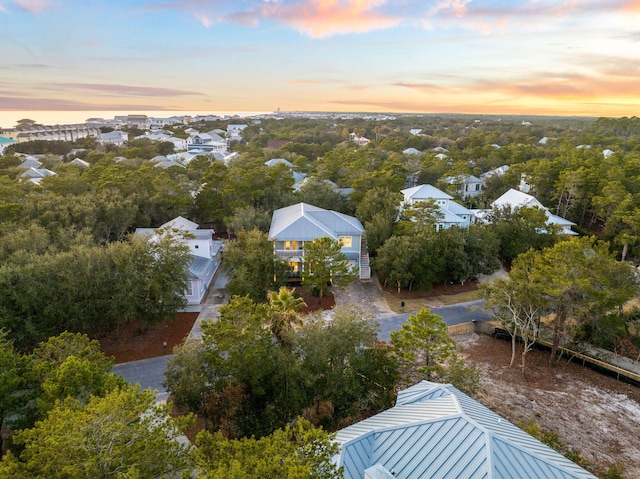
<point>345,241</point>
<point>189,290</point>
<point>291,245</point>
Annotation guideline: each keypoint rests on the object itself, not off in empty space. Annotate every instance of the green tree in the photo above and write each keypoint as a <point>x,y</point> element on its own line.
<point>577,280</point>
<point>378,212</point>
<point>325,264</point>
<point>124,433</point>
<point>247,218</point>
<point>423,344</point>
<point>285,314</point>
<point>252,266</point>
<point>345,370</point>
<point>164,269</point>
<point>521,229</point>
<point>299,451</point>
<point>419,218</point>
<point>11,383</point>
<point>189,378</point>
<point>395,261</point>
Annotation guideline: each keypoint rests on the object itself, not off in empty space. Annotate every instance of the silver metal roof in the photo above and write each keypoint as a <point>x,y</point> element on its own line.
<point>436,431</point>
<point>303,222</point>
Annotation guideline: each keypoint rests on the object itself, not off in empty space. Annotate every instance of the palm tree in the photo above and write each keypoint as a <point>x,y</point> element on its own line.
<point>285,307</point>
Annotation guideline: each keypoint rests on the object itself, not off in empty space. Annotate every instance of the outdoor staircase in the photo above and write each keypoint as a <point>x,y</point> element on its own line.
<point>365,268</point>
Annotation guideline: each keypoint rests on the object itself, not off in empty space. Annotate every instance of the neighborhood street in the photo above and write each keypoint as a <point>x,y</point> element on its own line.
<point>454,314</point>
<point>149,373</point>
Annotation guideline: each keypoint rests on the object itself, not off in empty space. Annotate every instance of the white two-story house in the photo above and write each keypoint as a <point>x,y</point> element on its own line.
<point>295,225</point>
<point>205,250</point>
<point>452,213</point>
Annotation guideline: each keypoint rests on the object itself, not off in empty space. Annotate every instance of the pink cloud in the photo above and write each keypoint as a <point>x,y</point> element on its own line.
<point>33,6</point>
<point>119,90</point>
<point>323,18</point>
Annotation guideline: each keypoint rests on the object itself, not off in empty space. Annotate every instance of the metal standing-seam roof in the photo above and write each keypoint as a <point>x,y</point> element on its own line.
<point>436,431</point>
<point>304,222</point>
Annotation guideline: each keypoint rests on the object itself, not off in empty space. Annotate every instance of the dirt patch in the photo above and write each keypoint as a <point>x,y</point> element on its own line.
<point>593,414</point>
<point>128,344</point>
<point>313,302</point>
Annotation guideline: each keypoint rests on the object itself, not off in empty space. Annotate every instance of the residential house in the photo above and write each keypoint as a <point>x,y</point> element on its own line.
<point>79,162</point>
<point>179,144</point>
<point>465,185</point>
<point>206,142</point>
<point>415,131</point>
<point>142,122</point>
<point>452,213</point>
<point>30,162</point>
<point>499,171</point>
<point>436,431</point>
<point>205,250</point>
<point>115,137</point>
<point>233,130</point>
<point>166,163</point>
<point>295,225</point>
<point>4,143</point>
<point>515,200</point>
<point>411,151</point>
<point>359,140</point>
<point>298,178</point>
<point>35,175</point>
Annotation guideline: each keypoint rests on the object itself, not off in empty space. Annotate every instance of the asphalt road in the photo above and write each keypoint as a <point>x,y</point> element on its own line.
<point>149,373</point>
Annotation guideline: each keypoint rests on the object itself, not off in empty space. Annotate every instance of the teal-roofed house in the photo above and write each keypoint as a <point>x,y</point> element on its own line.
<point>295,225</point>
<point>4,142</point>
<point>435,431</point>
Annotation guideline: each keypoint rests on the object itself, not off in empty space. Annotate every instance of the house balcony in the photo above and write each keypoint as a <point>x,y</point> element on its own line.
<point>289,253</point>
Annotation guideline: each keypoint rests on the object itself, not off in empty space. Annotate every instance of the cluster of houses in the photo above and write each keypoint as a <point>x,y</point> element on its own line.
<point>34,171</point>
<point>434,430</point>
<point>29,130</point>
<point>295,225</point>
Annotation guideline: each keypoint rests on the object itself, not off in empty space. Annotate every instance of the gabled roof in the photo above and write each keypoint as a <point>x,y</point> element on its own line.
<point>181,223</point>
<point>30,162</point>
<point>411,151</point>
<point>37,173</point>
<point>516,199</point>
<point>167,164</point>
<point>276,161</point>
<point>303,222</point>
<point>80,162</point>
<point>425,192</point>
<point>437,431</point>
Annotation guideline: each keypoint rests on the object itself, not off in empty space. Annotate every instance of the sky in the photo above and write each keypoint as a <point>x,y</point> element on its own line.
<point>531,57</point>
